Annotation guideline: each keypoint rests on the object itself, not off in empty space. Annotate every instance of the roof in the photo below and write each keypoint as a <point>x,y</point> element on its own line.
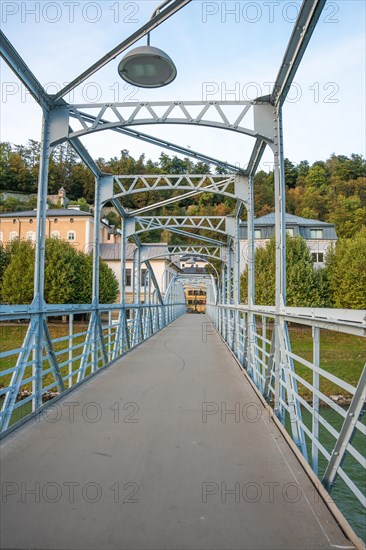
<point>195,257</point>
<point>290,219</point>
<point>56,212</point>
<point>112,252</point>
<point>300,226</point>
<point>195,270</point>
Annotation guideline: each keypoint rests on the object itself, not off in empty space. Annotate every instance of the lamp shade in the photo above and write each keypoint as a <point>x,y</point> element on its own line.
<point>147,67</point>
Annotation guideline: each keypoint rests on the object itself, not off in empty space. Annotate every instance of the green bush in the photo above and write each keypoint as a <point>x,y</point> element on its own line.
<point>346,270</point>
<point>306,286</point>
<point>68,275</point>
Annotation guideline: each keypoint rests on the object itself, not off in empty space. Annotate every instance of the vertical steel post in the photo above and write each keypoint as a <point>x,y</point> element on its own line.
<point>137,293</point>
<point>229,282</point>
<point>251,283</point>
<point>95,291</point>
<point>280,232</point>
<point>236,296</point>
<point>250,238</point>
<point>123,312</point>
<point>264,344</point>
<point>315,419</point>
<point>39,268</point>
<point>71,344</point>
<point>224,299</point>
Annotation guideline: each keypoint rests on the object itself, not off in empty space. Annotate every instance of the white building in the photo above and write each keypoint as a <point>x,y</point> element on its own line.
<point>164,267</point>
<point>193,264</point>
<point>319,236</point>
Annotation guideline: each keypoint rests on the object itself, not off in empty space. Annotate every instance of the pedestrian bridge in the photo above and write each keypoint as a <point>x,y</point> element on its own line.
<point>170,447</point>
<point>167,430</point>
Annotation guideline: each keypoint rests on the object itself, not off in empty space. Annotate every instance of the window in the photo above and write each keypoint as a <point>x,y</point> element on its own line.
<point>128,277</point>
<point>55,234</point>
<point>143,276</point>
<point>318,257</point>
<point>290,231</point>
<point>257,233</point>
<point>13,235</point>
<point>71,235</point>
<point>316,233</point>
<point>31,236</point>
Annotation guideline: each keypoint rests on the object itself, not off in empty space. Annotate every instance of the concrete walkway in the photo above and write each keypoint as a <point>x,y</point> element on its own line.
<point>147,456</point>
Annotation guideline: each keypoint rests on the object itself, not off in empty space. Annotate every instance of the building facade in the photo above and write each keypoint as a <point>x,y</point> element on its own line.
<point>319,236</point>
<point>70,224</point>
<point>164,267</point>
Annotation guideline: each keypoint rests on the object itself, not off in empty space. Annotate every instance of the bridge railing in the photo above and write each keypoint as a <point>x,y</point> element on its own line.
<point>78,341</point>
<point>328,429</point>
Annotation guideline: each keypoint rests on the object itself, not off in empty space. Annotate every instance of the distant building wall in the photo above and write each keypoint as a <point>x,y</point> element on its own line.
<point>163,269</point>
<point>317,248</point>
<point>77,229</point>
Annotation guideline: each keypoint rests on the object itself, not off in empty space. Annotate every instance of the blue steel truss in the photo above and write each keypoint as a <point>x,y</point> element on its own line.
<point>258,336</point>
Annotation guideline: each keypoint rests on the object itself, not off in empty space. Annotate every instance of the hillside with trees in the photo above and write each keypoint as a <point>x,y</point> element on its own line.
<point>333,190</point>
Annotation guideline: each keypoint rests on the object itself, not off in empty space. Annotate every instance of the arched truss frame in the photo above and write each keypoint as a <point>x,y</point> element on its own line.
<point>214,252</point>
<point>145,256</point>
<point>225,115</point>
<point>216,224</point>
<point>113,188</point>
<point>207,183</point>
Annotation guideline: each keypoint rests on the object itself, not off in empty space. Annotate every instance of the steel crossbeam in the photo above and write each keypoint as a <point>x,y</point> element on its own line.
<point>207,223</point>
<point>221,184</point>
<point>227,115</point>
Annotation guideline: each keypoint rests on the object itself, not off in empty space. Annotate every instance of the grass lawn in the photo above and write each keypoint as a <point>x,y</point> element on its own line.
<point>11,337</point>
<point>341,354</point>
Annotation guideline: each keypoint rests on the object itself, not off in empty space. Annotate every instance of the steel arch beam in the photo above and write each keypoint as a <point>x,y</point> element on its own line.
<point>174,254</point>
<point>212,114</point>
<point>219,183</point>
<point>195,250</point>
<point>207,223</point>
<point>207,240</point>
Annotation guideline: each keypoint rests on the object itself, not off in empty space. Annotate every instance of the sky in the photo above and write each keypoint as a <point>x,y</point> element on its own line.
<point>222,50</point>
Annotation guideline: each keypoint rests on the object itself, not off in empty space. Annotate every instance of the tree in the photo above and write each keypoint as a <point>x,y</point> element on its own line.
<point>84,206</point>
<point>345,264</point>
<point>63,266</point>
<point>332,190</point>
<point>17,287</point>
<point>68,275</point>
<point>306,286</point>
<point>4,261</point>
<point>108,284</point>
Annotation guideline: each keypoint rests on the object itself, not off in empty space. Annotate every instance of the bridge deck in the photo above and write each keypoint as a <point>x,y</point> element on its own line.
<point>129,462</point>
